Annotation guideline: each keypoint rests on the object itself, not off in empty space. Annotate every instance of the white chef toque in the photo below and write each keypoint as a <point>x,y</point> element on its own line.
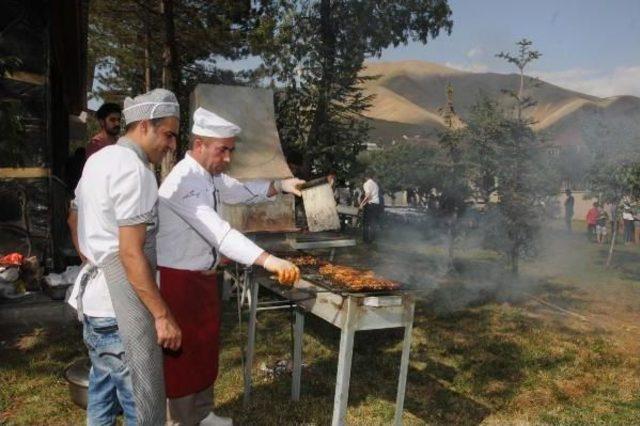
<point>209,124</point>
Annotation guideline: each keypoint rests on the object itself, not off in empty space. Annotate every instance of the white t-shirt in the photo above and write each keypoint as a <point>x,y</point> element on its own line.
<point>116,189</point>
<point>372,191</point>
<point>96,301</point>
<point>191,233</point>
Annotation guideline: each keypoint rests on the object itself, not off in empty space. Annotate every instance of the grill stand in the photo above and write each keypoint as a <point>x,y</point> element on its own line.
<point>350,313</point>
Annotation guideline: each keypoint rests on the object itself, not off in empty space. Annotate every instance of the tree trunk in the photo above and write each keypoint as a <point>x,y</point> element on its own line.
<point>612,245</point>
<point>321,114</point>
<point>514,261</point>
<point>147,53</point>
<point>453,220</point>
<point>169,74</point>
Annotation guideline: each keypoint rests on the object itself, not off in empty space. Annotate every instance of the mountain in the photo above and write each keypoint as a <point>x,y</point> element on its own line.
<point>408,95</point>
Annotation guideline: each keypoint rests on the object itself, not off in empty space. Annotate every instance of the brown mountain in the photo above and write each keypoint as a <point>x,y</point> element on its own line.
<point>408,95</point>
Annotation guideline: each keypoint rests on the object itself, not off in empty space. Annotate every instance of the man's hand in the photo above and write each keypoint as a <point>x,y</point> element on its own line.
<point>287,272</point>
<point>169,334</point>
<point>289,185</point>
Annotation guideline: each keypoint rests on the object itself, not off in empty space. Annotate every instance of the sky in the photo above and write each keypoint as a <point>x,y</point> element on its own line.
<point>592,46</point>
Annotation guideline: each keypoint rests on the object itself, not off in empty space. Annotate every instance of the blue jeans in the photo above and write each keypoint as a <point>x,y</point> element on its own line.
<point>109,379</point>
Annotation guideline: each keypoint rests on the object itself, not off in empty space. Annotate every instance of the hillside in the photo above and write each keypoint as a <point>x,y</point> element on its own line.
<point>409,93</point>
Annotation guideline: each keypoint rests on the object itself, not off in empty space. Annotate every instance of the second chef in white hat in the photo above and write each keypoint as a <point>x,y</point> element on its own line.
<point>191,239</point>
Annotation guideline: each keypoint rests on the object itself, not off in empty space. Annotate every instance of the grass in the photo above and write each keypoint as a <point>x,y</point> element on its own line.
<point>559,346</point>
<point>32,388</point>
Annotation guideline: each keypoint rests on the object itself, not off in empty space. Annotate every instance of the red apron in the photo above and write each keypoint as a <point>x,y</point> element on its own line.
<point>193,300</point>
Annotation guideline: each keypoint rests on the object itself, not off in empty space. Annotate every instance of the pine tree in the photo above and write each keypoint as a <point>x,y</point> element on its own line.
<point>524,180</point>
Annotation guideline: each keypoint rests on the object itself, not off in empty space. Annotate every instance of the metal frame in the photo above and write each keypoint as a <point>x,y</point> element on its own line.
<point>350,313</point>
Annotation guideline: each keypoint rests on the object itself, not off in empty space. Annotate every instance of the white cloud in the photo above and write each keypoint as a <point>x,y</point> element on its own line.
<point>476,67</point>
<point>620,81</point>
<point>475,52</point>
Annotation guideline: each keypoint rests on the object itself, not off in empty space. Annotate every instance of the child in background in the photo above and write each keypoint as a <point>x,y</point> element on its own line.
<point>601,225</point>
<point>592,218</point>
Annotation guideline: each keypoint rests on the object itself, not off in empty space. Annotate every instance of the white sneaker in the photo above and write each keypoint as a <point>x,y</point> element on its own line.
<point>213,420</point>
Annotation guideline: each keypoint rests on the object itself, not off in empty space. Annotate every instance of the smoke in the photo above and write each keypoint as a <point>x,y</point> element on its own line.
<point>417,255</point>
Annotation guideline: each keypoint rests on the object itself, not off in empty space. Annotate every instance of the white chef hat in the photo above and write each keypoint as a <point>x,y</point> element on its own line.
<point>157,103</point>
<point>209,124</point>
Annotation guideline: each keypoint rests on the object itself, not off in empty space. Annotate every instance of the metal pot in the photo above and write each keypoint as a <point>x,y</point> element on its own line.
<point>77,375</point>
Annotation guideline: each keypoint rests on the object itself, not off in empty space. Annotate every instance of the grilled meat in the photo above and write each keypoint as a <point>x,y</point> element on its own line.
<point>356,279</point>
<point>346,276</point>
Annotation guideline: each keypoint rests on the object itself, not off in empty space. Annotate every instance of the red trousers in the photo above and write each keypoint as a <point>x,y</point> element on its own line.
<point>193,300</point>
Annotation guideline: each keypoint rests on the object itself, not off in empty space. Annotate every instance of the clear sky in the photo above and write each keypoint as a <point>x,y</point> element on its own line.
<point>591,46</point>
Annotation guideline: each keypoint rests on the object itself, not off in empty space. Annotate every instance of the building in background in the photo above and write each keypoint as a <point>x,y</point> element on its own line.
<point>43,91</point>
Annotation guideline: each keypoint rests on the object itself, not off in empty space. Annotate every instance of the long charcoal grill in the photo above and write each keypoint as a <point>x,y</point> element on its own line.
<point>349,311</point>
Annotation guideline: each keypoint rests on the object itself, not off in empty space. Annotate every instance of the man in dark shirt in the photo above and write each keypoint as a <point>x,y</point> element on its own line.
<point>568,209</point>
<point>108,116</point>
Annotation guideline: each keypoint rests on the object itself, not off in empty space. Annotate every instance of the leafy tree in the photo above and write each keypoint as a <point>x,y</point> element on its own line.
<point>406,165</point>
<point>137,45</point>
<point>524,179</point>
<point>317,50</point>
<point>453,170</point>
<point>486,131</point>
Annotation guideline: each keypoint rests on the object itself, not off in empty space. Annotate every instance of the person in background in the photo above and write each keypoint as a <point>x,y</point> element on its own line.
<point>109,116</point>
<point>601,225</point>
<point>371,207</point>
<point>627,220</point>
<point>636,228</point>
<point>592,219</point>
<point>568,209</point>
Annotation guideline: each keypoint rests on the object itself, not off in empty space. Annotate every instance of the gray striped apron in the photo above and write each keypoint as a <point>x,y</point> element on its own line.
<point>142,354</point>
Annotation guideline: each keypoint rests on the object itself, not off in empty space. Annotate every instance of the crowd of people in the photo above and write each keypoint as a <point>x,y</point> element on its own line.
<point>606,219</point>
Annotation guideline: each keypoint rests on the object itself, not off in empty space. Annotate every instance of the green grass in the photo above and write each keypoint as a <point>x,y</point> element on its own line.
<point>32,388</point>
<point>486,349</point>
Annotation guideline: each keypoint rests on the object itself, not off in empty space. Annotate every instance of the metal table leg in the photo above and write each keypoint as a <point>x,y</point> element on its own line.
<point>341,396</point>
<point>404,366</point>
<point>298,333</point>
<point>251,335</point>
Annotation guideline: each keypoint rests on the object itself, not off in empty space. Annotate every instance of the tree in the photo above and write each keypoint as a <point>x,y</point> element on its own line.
<point>407,165</point>
<point>486,131</point>
<point>453,170</point>
<point>318,50</point>
<point>524,179</point>
<point>137,45</point>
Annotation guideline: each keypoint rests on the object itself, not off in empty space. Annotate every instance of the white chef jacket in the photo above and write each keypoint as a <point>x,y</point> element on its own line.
<point>372,190</point>
<point>116,189</point>
<point>191,233</point>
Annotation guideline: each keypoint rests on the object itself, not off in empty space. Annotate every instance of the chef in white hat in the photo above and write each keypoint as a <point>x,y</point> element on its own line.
<point>126,322</point>
<point>191,239</point>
